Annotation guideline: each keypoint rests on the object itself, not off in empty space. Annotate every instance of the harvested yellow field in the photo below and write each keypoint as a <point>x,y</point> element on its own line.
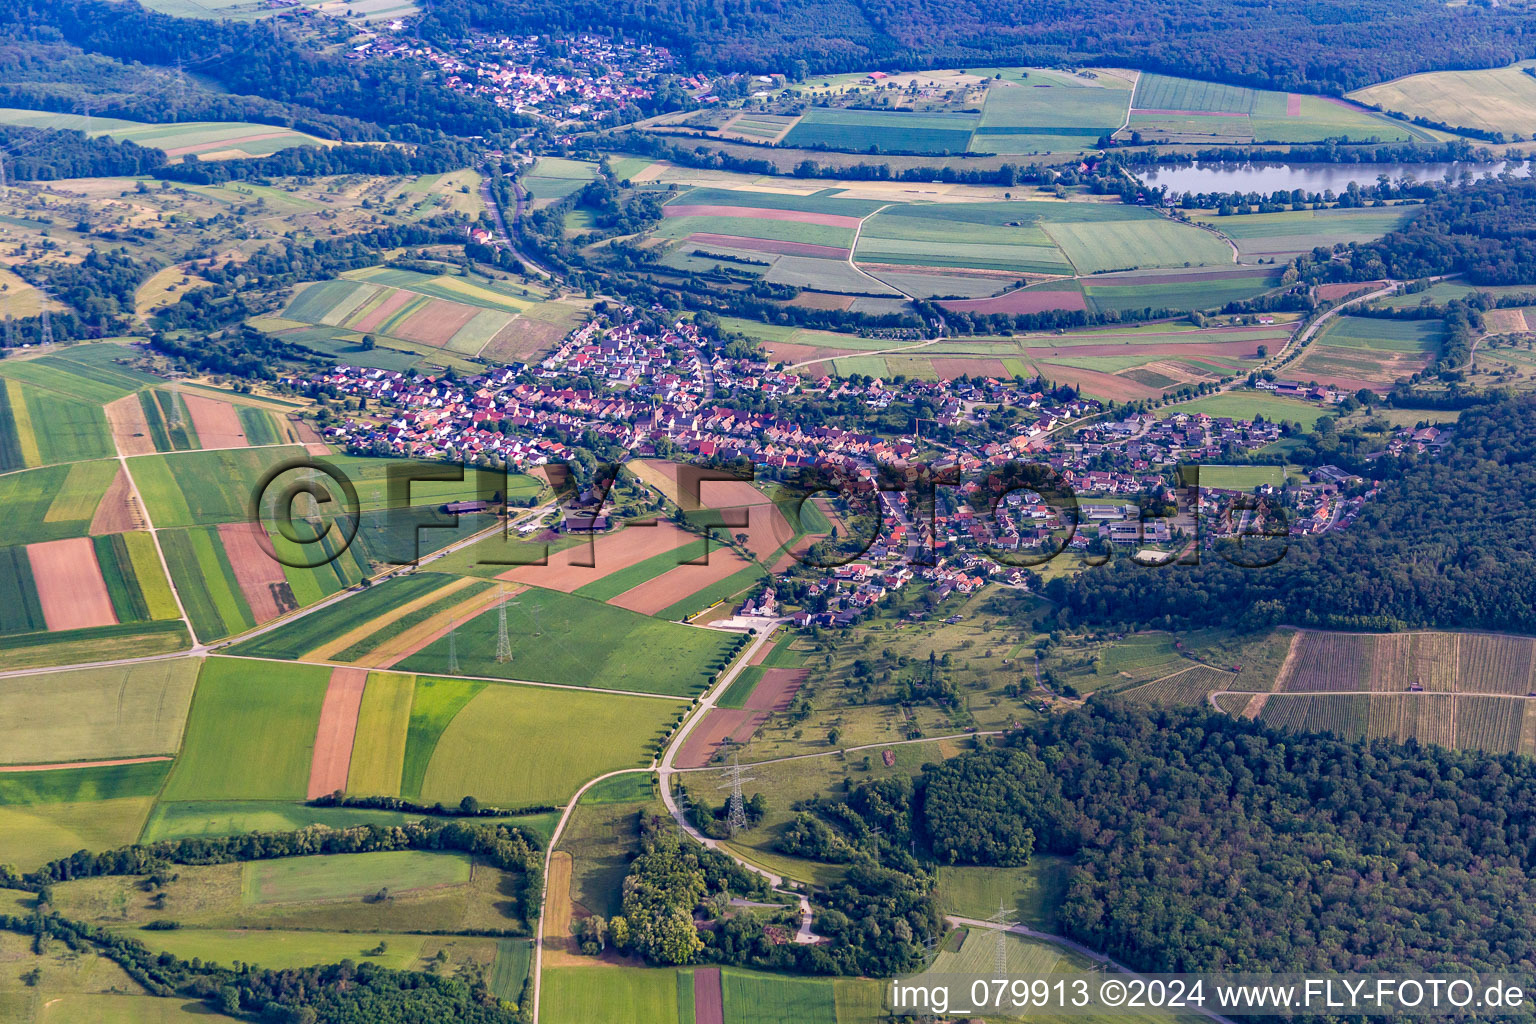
<point>327,651</point>
<point>164,288</point>
<point>1500,100</point>
<point>378,747</point>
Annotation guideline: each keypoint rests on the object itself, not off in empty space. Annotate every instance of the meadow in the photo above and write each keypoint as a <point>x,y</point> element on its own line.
<point>752,998</point>
<point>602,837</point>
<point>1261,235</point>
<point>250,733</point>
<point>561,638</point>
<point>1032,894</point>
<point>611,995</point>
<point>279,950</point>
<point>519,746</point>
<point>1246,405</point>
<point>1178,291</point>
<point>554,178</point>
<point>350,876</point>
<point>31,835</point>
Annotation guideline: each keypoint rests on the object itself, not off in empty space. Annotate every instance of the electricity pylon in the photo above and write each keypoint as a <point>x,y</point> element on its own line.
<point>503,642</point>
<point>453,647</point>
<point>736,808</point>
<point>1003,917</point>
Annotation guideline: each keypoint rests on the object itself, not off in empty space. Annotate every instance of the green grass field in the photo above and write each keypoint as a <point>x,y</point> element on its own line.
<point>96,714</point>
<point>350,875</point>
<point>206,582</point>
<point>53,502</point>
<point>1033,894</point>
<point>1209,291</point>
<point>251,732</point>
<point>1247,404</point>
<point>1294,231</point>
<point>1241,478</point>
<point>80,374</point>
<point>610,995</point>
<point>560,638</point>
<point>752,998</point>
<point>893,131</point>
<point>518,746</point>
<point>434,705</point>
<point>1050,111</point>
<point>279,950</point>
<point>199,488</point>
<point>1383,335</point>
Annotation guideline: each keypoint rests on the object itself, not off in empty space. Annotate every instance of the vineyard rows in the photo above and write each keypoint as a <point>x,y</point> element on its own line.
<point>1190,686</point>
<point>1391,663</point>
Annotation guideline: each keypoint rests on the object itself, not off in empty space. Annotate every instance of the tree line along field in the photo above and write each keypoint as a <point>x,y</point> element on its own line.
<point>73,985</point>
<point>427,891</point>
<point>1489,100</point>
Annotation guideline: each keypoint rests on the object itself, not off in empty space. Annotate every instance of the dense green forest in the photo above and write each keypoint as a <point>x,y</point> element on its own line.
<point>258,59</point>
<point>1445,543</point>
<point>1203,842</point>
<point>1317,46</point>
<point>1486,230</point>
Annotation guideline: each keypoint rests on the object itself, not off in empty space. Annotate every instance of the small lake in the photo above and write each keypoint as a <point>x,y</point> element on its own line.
<point>1267,178</point>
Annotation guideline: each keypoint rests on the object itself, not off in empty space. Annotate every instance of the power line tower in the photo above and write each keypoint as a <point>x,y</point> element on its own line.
<point>736,808</point>
<point>3,189</point>
<point>173,415</point>
<point>1003,917</point>
<point>177,94</point>
<point>503,642</point>
<point>47,321</point>
<point>453,647</point>
<point>10,332</point>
